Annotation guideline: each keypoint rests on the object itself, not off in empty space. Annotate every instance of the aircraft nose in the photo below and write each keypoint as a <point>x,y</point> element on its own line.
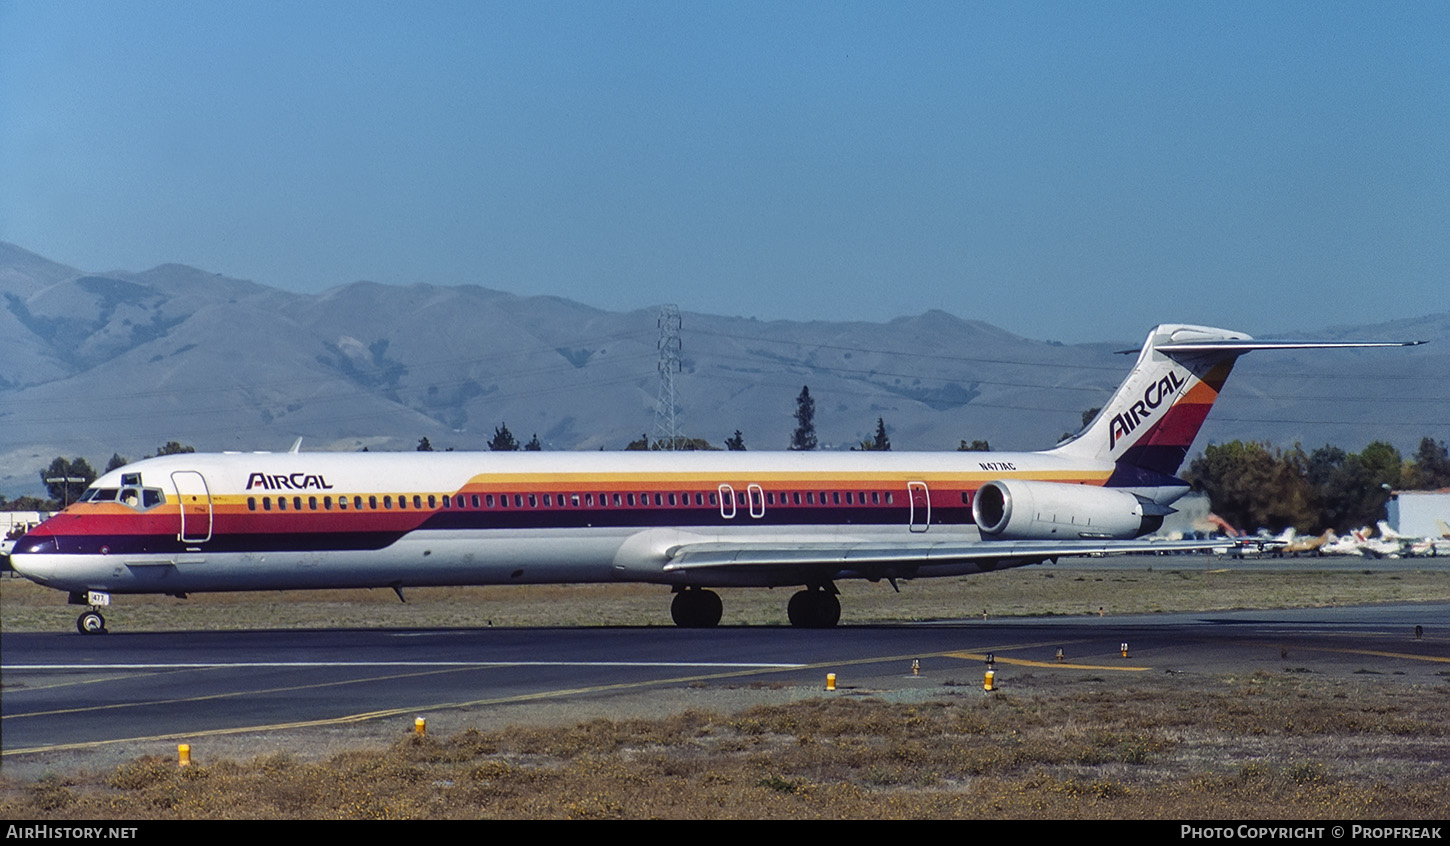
<point>36,544</point>
<point>31,555</point>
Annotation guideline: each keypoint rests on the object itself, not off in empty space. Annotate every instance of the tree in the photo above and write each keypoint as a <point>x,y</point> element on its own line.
<point>641,444</point>
<point>974,446</point>
<point>879,443</point>
<point>174,448</point>
<point>804,436</point>
<point>503,439</point>
<point>67,480</point>
<point>683,444</point>
<point>737,443</point>
<point>423,445</point>
<point>1431,468</point>
<point>533,445</point>
<point>115,462</point>
<point>1252,485</point>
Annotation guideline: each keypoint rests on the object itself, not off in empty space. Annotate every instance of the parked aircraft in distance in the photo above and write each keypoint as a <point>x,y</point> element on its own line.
<point>688,520</point>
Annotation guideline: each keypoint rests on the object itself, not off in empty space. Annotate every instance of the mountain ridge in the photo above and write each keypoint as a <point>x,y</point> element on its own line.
<point>120,361</point>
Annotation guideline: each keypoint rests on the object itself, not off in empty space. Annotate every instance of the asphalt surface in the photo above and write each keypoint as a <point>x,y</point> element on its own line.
<point>71,700</point>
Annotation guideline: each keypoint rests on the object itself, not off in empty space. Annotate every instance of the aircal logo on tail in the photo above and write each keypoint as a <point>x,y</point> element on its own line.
<point>285,481</point>
<point>1157,394</point>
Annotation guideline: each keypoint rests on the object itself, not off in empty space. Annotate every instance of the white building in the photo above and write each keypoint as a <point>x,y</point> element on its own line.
<point>1415,513</point>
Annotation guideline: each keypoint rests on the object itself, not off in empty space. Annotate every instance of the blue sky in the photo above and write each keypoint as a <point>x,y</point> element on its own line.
<point>1071,171</point>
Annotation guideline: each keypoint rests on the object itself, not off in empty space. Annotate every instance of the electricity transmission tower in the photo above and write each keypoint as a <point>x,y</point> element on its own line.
<point>667,412</point>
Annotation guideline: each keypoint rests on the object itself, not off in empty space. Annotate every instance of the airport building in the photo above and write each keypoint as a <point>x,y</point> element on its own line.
<point>1415,513</point>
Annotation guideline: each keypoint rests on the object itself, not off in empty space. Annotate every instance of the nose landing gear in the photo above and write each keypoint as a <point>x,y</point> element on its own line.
<point>91,622</point>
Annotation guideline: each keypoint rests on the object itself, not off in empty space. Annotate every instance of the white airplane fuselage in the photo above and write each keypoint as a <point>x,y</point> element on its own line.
<point>311,520</point>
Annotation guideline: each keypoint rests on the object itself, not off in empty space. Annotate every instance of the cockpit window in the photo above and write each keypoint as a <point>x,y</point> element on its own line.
<point>140,499</point>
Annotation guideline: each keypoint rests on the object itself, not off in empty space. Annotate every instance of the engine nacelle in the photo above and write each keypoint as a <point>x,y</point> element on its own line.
<point>1011,509</point>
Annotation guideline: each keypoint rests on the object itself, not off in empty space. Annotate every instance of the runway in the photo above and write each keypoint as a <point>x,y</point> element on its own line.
<point>67,696</point>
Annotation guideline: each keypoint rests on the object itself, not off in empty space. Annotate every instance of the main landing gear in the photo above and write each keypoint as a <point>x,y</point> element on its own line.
<point>694,608</point>
<point>814,608</point>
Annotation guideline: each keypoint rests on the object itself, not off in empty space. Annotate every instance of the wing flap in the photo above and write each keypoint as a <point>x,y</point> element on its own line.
<point>708,556</point>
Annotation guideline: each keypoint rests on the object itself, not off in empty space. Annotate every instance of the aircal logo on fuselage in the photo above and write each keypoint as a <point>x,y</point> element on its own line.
<point>1156,394</point>
<point>287,481</point>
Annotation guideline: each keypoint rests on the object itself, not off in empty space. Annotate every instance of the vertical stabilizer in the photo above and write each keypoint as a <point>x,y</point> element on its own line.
<point>1156,413</point>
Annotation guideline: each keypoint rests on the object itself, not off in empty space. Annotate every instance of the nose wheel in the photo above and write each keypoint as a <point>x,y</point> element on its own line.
<point>91,622</point>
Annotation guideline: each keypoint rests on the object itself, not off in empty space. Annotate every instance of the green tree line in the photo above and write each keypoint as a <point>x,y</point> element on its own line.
<point>1255,485</point>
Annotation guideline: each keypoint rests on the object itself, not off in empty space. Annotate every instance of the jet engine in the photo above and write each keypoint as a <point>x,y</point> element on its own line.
<point>1011,509</point>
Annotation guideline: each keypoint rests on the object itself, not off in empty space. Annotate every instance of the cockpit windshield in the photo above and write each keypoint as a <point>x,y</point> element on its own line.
<point>138,498</point>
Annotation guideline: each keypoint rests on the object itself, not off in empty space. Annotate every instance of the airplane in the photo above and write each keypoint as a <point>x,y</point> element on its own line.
<point>692,521</point>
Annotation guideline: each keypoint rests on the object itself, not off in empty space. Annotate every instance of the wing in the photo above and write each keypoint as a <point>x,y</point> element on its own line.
<point>903,560</point>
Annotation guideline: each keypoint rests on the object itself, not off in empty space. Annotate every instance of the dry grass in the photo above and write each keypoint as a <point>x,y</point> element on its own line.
<point>1162,585</point>
<point>1269,746</point>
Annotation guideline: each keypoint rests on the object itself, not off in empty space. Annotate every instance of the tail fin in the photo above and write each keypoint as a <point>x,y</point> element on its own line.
<point>1151,421</point>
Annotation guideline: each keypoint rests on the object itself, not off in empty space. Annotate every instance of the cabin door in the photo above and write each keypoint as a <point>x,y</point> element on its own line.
<point>196,516</point>
<point>920,499</point>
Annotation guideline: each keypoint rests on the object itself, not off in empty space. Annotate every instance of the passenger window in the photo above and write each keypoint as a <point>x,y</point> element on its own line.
<point>266,503</point>
<point>251,503</point>
<point>312,503</point>
<point>433,501</point>
<point>417,501</point>
<point>281,503</point>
